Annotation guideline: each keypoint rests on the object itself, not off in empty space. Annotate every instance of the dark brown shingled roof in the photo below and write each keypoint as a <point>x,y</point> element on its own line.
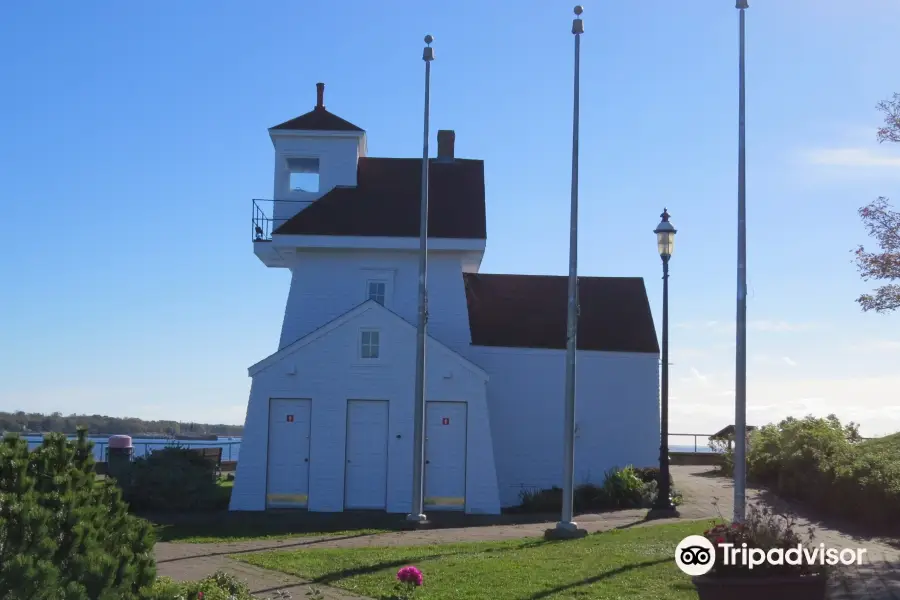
<point>529,311</point>
<point>318,119</point>
<point>387,199</point>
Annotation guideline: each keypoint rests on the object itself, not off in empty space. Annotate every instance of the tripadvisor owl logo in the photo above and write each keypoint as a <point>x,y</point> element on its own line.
<point>695,555</point>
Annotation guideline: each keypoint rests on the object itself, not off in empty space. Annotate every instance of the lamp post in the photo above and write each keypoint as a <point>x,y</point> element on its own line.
<point>663,507</point>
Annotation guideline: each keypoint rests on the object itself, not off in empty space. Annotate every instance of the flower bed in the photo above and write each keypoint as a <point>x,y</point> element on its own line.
<point>765,534</point>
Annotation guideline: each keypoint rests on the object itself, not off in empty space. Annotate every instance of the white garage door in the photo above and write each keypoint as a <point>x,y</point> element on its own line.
<point>365,475</point>
<point>287,478</point>
<point>445,456</point>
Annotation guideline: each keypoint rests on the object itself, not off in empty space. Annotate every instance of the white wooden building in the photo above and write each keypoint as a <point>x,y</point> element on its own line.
<point>329,421</point>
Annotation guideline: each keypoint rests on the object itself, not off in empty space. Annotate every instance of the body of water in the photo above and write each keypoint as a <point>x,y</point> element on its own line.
<point>230,445</point>
<point>682,448</point>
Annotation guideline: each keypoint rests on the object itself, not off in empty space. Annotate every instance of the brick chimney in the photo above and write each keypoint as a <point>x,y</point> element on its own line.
<point>446,139</point>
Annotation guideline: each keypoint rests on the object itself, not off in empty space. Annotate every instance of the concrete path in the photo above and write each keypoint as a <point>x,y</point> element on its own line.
<point>878,578</point>
<point>705,497</point>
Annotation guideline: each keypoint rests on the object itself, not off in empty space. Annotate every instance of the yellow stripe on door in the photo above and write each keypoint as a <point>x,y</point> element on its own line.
<point>445,501</point>
<point>287,498</point>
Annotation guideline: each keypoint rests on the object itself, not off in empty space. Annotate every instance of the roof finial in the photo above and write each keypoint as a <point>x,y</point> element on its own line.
<point>577,23</point>
<point>665,215</point>
<point>320,96</point>
<point>428,52</point>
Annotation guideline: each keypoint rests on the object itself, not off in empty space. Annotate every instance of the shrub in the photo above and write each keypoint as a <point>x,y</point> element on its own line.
<point>726,463</point>
<point>823,463</point>
<point>651,474</point>
<point>621,488</point>
<point>790,455</point>
<point>174,479</point>
<point>589,498</point>
<point>64,534</point>
<point>218,586</point>
<point>541,501</point>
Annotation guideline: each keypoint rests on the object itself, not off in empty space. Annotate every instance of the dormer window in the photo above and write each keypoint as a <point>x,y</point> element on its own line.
<point>304,174</point>
<point>377,290</point>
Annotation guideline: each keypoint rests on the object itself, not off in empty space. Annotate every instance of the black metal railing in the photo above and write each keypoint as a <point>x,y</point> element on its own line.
<point>266,218</point>
<point>230,448</point>
<point>698,445</point>
<point>101,449</point>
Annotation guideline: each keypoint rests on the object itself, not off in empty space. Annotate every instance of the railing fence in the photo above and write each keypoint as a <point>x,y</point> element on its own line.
<point>269,215</point>
<point>230,449</point>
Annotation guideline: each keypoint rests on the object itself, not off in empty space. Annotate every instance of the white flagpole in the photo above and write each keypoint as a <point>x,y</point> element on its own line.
<point>740,386</point>
<point>567,526</point>
<point>417,512</point>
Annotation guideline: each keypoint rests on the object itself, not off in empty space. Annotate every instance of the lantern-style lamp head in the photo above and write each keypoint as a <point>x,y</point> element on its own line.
<point>665,236</point>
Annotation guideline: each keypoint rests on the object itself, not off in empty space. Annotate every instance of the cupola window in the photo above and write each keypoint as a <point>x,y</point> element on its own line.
<point>304,174</point>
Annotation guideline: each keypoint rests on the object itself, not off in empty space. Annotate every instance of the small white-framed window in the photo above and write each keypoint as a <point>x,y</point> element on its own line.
<point>370,344</point>
<point>376,289</point>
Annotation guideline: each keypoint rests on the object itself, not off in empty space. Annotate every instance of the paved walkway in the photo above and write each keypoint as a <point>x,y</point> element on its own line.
<point>705,497</point>
<point>878,578</point>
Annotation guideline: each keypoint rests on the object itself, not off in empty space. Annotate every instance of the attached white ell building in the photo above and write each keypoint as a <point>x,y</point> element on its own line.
<point>329,423</point>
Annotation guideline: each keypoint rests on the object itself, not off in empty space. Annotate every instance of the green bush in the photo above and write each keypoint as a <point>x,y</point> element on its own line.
<point>174,479</point>
<point>621,488</point>
<point>218,586</point>
<point>64,535</point>
<point>651,474</point>
<point>824,463</point>
<point>726,462</point>
<point>540,501</point>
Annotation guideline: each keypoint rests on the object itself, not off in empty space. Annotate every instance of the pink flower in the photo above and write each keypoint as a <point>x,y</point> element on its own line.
<point>199,595</point>
<point>410,575</point>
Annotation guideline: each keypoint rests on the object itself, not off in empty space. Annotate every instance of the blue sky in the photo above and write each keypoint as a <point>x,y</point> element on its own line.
<point>134,139</point>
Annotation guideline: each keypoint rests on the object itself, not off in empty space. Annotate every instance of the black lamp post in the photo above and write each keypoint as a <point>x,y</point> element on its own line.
<point>663,507</point>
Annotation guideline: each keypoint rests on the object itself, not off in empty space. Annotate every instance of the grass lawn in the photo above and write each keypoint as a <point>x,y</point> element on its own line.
<point>627,563</point>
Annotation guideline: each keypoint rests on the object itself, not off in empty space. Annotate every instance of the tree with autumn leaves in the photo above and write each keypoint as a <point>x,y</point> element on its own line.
<point>883,225</point>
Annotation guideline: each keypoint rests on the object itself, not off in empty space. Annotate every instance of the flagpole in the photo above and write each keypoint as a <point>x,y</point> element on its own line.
<point>740,387</point>
<point>417,511</point>
<point>567,527</point>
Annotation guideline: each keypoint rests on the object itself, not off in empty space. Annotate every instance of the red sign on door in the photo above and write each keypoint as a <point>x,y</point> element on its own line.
<point>445,421</point>
<point>290,418</point>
